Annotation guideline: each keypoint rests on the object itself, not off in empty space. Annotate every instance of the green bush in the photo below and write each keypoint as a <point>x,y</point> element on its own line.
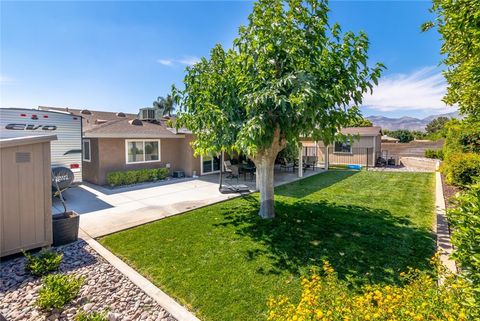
<point>136,176</point>
<point>42,263</point>
<point>434,153</point>
<point>143,175</point>
<point>57,290</point>
<point>460,169</point>
<point>131,177</point>
<point>162,173</point>
<point>91,316</point>
<point>464,217</point>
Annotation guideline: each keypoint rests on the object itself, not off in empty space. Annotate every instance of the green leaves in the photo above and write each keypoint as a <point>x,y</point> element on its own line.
<point>458,23</point>
<point>288,70</point>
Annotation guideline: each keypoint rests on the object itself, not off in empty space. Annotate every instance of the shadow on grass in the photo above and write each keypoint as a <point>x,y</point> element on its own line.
<point>364,245</point>
<point>313,184</point>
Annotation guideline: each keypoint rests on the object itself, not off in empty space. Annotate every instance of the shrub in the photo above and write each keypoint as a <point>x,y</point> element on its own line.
<point>162,173</point>
<point>464,217</point>
<point>57,290</point>
<point>115,179</point>
<point>136,176</point>
<point>42,263</point>
<point>460,169</point>
<point>131,177</point>
<point>143,175</point>
<point>434,153</point>
<point>91,316</point>
<point>326,297</point>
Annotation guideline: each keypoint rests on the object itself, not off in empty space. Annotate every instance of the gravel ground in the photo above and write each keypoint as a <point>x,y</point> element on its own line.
<point>105,289</point>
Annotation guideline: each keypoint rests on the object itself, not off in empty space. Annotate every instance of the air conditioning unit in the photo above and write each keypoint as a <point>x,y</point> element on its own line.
<point>147,114</point>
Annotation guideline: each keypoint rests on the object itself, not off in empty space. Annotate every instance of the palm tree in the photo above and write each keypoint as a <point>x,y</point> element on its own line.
<point>166,104</point>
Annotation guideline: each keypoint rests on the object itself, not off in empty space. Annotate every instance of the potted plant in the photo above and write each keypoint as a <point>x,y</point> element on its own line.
<point>64,225</point>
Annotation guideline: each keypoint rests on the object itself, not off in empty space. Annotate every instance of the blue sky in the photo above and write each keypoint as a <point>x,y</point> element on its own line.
<point>120,56</point>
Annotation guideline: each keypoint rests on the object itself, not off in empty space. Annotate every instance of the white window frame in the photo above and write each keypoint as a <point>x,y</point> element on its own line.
<point>351,147</point>
<point>201,166</point>
<point>143,141</point>
<point>89,150</point>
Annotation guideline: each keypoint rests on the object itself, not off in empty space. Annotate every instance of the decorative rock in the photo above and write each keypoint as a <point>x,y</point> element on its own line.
<point>104,289</point>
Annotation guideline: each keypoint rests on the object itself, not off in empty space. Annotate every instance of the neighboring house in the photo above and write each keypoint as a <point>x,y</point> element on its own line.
<point>120,142</point>
<point>362,148</point>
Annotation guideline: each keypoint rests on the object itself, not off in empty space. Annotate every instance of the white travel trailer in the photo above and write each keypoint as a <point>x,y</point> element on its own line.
<point>66,151</point>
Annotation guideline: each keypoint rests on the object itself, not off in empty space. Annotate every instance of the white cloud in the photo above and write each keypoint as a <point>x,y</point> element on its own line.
<point>420,90</point>
<point>165,62</point>
<point>5,79</point>
<point>186,60</point>
<point>189,60</point>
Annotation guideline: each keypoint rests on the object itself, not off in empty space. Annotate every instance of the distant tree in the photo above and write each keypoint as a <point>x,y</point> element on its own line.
<point>290,74</point>
<point>165,104</point>
<point>403,135</point>
<point>458,23</point>
<point>361,122</point>
<point>436,125</point>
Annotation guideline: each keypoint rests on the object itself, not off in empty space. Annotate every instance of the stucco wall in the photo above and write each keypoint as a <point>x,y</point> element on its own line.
<point>90,169</point>
<point>108,154</point>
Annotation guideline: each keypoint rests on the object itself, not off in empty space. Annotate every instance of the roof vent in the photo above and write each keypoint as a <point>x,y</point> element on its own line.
<point>86,112</point>
<point>120,114</point>
<point>100,121</point>
<point>136,122</point>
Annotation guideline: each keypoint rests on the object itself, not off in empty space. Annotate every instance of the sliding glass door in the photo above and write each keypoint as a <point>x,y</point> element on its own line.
<point>210,164</point>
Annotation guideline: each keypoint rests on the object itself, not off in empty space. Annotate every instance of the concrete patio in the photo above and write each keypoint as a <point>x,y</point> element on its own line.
<point>104,211</point>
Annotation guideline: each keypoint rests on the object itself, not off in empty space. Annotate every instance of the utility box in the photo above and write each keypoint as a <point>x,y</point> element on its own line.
<point>26,193</point>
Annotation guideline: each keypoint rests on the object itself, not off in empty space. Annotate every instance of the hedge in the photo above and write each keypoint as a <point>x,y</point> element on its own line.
<point>434,153</point>
<point>464,217</point>
<point>136,176</point>
<point>461,169</point>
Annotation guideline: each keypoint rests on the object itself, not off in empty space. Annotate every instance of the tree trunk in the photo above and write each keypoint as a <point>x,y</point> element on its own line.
<point>265,178</point>
<point>265,162</point>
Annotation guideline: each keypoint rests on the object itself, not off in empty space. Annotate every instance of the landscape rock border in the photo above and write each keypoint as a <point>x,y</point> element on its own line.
<point>105,289</point>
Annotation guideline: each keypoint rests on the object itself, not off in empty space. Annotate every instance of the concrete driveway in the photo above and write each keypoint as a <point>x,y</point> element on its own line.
<point>104,211</point>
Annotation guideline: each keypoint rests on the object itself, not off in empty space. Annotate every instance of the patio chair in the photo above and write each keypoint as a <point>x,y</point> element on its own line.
<point>235,172</point>
<point>228,168</point>
<point>286,165</point>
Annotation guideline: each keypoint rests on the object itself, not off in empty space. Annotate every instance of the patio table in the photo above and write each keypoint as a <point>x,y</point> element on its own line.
<point>247,169</point>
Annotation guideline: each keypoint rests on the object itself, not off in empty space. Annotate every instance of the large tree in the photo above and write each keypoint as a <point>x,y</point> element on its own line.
<point>458,22</point>
<point>289,75</point>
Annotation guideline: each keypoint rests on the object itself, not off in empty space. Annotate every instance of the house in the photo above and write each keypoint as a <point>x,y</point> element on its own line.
<point>362,147</point>
<point>121,141</point>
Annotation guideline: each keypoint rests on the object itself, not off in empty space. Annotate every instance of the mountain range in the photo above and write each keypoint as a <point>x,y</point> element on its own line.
<point>410,123</point>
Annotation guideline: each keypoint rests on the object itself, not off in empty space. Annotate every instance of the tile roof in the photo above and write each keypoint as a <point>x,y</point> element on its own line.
<point>112,125</point>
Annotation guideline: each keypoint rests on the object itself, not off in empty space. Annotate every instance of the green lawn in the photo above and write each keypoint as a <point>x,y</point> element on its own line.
<point>223,261</point>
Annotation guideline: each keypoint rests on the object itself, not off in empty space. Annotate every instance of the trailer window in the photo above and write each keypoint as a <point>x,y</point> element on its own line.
<point>86,150</point>
<point>142,151</point>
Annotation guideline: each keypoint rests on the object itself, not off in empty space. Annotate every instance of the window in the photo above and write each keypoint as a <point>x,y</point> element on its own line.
<point>142,151</point>
<point>86,150</point>
<point>343,147</point>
